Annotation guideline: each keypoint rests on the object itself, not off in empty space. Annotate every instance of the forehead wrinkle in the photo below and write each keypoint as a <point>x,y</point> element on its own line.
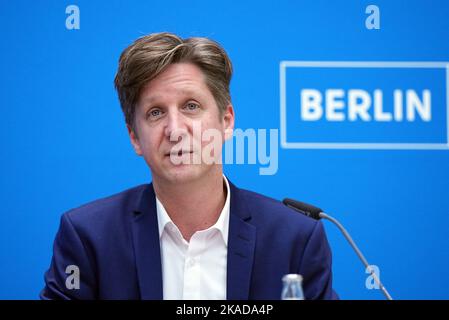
<point>186,80</point>
<point>188,90</point>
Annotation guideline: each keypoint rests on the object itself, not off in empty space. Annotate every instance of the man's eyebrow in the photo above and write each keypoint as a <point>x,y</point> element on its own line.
<point>189,91</point>
<point>185,92</point>
<point>150,99</point>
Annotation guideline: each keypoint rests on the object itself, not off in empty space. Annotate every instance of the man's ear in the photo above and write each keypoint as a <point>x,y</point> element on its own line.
<point>134,140</point>
<point>228,120</point>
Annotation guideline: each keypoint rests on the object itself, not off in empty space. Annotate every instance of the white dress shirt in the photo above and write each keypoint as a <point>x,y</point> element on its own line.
<point>194,270</point>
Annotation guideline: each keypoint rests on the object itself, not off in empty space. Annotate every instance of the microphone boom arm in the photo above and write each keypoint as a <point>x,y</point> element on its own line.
<point>358,252</point>
<point>317,213</point>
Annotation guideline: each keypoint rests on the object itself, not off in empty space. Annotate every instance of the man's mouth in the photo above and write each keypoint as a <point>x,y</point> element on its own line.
<point>177,153</point>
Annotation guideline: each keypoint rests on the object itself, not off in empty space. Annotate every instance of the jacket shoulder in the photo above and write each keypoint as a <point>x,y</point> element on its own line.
<point>111,207</point>
<point>271,211</point>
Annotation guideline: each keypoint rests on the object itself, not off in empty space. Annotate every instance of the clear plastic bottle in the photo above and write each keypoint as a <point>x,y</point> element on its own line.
<point>292,287</point>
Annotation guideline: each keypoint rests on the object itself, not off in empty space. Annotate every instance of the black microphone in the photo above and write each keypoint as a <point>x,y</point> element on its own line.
<point>303,208</point>
<point>317,214</point>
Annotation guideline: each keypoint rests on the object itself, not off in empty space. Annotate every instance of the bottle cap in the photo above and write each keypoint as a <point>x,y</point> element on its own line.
<point>292,277</point>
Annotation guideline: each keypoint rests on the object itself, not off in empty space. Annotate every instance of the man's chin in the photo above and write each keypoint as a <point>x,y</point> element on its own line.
<point>183,173</point>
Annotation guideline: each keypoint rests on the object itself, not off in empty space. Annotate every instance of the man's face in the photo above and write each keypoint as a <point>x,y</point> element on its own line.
<point>173,112</point>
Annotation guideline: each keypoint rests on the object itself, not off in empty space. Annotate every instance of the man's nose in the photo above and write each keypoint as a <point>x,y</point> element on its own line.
<point>175,126</point>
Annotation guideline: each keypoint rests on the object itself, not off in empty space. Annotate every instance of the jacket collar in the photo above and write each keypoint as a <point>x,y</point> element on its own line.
<point>147,252</point>
<point>241,247</point>
<point>145,236</point>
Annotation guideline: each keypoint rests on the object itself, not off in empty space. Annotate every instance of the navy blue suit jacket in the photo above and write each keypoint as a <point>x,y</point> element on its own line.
<point>115,244</point>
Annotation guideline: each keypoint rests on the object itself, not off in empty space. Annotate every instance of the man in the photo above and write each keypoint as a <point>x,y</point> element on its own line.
<point>190,234</point>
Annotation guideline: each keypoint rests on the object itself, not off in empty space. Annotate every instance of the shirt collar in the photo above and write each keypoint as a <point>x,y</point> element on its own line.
<point>221,225</point>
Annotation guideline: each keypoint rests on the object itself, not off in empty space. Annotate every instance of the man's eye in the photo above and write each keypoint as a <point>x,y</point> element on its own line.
<point>192,106</point>
<point>154,113</point>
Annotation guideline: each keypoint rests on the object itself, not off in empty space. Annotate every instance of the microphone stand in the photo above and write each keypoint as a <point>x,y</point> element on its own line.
<point>317,214</point>
<point>359,253</point>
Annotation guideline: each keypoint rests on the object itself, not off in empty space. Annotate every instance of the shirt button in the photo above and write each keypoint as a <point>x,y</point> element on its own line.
<point>191,262</point>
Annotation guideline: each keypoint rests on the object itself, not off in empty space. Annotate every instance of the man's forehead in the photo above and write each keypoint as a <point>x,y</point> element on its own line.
<point>179,79</point>
<point>151,95</point>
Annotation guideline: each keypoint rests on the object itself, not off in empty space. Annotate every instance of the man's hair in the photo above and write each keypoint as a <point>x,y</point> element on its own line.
<point>148,56</point>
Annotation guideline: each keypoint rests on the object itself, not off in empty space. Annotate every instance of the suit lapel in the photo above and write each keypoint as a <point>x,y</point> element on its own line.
<point>146,246</point>
<point>241,248</point>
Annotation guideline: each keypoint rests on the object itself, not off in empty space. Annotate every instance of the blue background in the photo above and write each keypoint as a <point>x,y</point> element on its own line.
<point>64,141</point>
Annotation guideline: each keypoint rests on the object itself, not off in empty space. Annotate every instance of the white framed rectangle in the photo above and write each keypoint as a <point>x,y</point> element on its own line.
<point>357,64</point>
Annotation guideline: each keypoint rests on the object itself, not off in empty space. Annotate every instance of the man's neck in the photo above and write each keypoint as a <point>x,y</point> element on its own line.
<point>195,205</point>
